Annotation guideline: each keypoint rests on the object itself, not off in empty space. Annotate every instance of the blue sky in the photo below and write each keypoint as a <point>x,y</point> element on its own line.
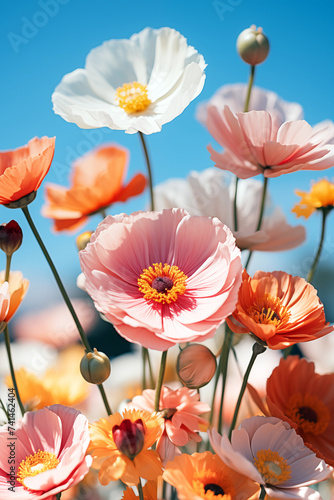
<point>43,40</point>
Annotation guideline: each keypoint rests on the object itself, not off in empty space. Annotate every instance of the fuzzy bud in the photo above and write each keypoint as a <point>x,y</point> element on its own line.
<point>10,237</point>
<point>196,365</point>
<point>253,45</point>
<point>95,367</point>
<point>83,240</point>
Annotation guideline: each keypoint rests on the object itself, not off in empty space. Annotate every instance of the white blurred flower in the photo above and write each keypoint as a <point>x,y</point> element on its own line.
<point>133,85</point>
<point>211,193</point>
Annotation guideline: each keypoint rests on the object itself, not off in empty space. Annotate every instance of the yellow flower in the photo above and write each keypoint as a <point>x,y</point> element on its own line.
<point>320,196</point>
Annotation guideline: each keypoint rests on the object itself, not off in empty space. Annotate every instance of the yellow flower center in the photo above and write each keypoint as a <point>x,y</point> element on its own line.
<point>273,468</point>
<point>35,464</point>
<point>132,97</point>
<point>213,485</point>
<point>269,311</point>
<point>309,413</point>
<point>162,283</point>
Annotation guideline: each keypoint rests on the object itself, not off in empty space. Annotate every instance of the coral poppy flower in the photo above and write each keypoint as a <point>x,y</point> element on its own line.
<point>119,446</point>
<point>211,192</point>
<point>320,197</point>
<point>133,85</point>
<point>23,170</point>
<point>17,289</point>
<point>268,451</point>
<point>206,476</point>
<point>97,182</point>
<point>180,410</point>
<point>234,96</point>
<point>4,304</point>
<point>163,277</point>
<point>279,309</point>
<point>255,144</point>
<point>50,447</point>
<point>304,399</point>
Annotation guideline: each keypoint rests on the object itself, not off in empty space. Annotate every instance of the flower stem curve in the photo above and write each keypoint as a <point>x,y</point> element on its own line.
<point>263,202</point>
<point>11,368</point>
<point>160,380</point>
<point>314,266</point>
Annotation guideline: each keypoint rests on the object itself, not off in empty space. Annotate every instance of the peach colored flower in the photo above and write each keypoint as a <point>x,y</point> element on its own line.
<point>23,170</point>
<point>196,366</point>
<point>279,310</point>
<point>17,289</point>
<point>321,196</point>
<point>307,403</point>
<point>97,182</point>
<point>162,277</point>
<point>180,410</point>
<point>268,451</point>
<point>50,448</point>
<point>4,304</point>
<point>255,144</point>
<point>120,447</point>
<point>149,492</point>
<point>211,193</point>
<point>206,476</point>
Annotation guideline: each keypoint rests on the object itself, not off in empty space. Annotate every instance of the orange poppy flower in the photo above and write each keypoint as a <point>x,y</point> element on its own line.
<point>17,289</point>
<point>119,446</point>
<point>321,196</point>
<point>278,309</point>
<point>23,170</point>
<point>304,399</point>
<point>149,492</point>
<point>204,475</point>
<point>97,182</point>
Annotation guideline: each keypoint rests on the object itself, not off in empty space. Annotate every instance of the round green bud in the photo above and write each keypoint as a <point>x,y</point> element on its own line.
<point>253,45</point>
<point>95,367</point>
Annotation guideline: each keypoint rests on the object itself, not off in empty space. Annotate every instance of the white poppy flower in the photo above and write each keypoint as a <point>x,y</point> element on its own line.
<point>135,85</point>
<point>211,193</point>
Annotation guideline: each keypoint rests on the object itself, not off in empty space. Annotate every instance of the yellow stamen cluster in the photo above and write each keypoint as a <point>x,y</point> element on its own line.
<point>309,413</point>
<point>132,97</point>
<point>160,271</point>
<point>204,478</point>
<point>269,311</point>
<point>273,468</point>
<point>35,464</point>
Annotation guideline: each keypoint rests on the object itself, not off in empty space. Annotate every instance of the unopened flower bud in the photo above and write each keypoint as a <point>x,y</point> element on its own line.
<point>95,367</point>
<point>83,240</point>
<point>129,437</point>
<point>196,365</point>
<point>10,237</point>
<point>253,45</point>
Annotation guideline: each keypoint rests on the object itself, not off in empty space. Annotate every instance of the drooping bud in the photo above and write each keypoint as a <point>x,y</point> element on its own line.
<point>253,45</point>
<point>196,365</point>
<point>95,367</point>
<point>10,237</point>
<point>129,437</point>
<point>83,240</point>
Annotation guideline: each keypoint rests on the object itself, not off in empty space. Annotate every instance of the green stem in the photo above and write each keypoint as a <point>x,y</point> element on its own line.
<point>58,496</point>
<point>218,372</point>
<point>263,202</point>
<point>225,355</point>
<point>65,296</point>
<point>4,409</point>
<point>149,170</point>
<point>257,349</point>
<point>11,368</point>
<point>140,490</point>
<point>160,380</point>
<point>311,272</point>
<point>150,369</point>
<point>144,354</point>
<point>262,494</point>
<point>103,213</point>
<point>235,208</point>
<point>249,89</point>
<point>8,261</point>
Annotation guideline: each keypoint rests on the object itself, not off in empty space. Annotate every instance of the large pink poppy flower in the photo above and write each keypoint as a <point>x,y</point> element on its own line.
<point>162,277</point>
<point>256,143</point>
<point>268,451</point>
<point>48,447</point>
<point>181,410</point>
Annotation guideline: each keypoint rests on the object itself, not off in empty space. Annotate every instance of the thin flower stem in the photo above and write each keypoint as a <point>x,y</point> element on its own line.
<point>11,368</point>
<point>149,170</point>
<point>218,372</point>
<point>144,353</point>
<point>257,349</point>
<point>150,369</point>
<point>311,272</point>
<point>225,354</point>
<point>160,380</point>
<point>58,496</point>
<point>263,202</point>
<point>103,213</point>
<point>8,261</point>
<point>235,208</point>
<point>4,409</point>
<point>140,490</point>
<point>65,297</point>
<point>262,494</point>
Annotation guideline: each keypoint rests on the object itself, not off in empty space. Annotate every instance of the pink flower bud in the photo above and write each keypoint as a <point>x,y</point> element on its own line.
<point>196,365</point>
<point>10,237</point>
<point>253,45</point>
<point>129,437</point>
